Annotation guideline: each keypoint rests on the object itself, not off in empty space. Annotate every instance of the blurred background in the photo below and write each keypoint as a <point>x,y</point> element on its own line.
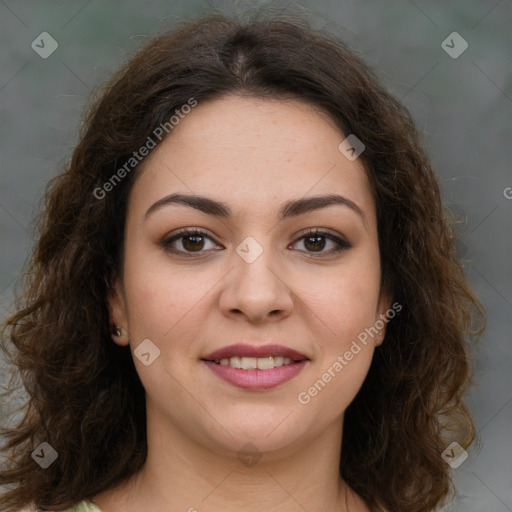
<point>449,62</point>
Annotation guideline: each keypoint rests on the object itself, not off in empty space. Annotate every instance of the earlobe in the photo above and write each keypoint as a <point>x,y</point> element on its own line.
<point>119,335</point>
<point>382,317</point>
<point>117,314</point>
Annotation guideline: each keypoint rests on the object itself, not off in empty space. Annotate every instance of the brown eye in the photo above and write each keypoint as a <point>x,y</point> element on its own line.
<point>187,242</point>
<point>316,241</point>
<point>192,242</point>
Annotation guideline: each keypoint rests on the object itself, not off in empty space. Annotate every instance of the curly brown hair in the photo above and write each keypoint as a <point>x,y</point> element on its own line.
<point>84,395</point>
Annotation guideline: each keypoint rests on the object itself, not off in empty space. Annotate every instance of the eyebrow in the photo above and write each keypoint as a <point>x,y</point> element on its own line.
<point>292,208</point>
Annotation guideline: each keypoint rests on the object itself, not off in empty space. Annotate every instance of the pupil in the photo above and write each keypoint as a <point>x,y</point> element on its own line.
<point>316,245</point>
<point>194,245</point>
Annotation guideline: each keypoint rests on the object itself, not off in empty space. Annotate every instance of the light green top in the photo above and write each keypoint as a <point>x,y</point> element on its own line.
<point>83,506</point>
<point>86,506</point>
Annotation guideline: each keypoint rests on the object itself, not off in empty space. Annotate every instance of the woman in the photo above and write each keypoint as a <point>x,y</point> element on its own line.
<point>245,294</point>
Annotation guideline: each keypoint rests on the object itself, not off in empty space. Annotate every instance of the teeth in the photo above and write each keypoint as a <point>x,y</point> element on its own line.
<point>235,362</point>
<point>279,361</point>
<point>251,363</point>
<point>265,363</point>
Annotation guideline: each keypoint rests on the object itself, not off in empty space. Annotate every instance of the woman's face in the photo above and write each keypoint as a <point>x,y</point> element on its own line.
<point>253,276</point>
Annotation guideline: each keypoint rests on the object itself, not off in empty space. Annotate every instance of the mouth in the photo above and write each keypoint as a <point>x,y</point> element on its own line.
<point>250,357</point>
<point>251,367</point>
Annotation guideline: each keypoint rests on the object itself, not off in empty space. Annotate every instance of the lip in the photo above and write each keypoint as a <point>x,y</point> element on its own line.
<point>255,379</point>
<point>244,350</point>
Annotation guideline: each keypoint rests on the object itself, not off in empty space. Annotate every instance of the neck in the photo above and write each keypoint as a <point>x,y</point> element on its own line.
<point>181,474</point>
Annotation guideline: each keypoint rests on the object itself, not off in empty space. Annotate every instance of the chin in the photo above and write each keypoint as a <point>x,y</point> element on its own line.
<point>271,435</point>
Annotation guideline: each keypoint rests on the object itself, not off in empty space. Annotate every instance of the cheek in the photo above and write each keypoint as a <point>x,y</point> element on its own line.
<point>159,298</point>
<point>344,301</point>
<point>351,302</point>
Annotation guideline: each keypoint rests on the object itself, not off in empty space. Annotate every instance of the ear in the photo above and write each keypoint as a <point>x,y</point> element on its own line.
<point>381,316</point>
<point>116,304</point>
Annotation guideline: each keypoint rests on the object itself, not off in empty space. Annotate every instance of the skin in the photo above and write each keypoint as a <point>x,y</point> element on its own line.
<point>253,155</point>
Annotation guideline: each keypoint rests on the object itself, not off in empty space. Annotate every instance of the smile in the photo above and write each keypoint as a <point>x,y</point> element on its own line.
<point>255,367</point>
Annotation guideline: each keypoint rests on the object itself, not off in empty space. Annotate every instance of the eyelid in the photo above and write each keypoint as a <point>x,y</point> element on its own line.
<point>184,232</point>
<point>319,231</point>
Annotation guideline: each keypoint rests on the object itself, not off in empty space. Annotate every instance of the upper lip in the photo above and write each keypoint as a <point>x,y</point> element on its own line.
<point>243,350</point>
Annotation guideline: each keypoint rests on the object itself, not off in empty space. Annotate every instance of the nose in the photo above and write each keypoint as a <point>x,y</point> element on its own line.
<point>256,291</point>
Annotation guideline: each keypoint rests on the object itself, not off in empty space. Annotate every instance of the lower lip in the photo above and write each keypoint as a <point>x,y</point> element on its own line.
<point>256,379</point>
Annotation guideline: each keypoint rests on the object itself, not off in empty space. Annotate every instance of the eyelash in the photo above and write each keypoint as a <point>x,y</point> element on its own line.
<point>341,245</point>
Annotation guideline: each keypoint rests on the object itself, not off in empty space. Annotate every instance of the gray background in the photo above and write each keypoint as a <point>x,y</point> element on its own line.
<point>462,105</point>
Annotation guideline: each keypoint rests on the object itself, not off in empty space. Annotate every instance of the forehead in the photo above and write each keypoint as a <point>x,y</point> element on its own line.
<point>250,152</point>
